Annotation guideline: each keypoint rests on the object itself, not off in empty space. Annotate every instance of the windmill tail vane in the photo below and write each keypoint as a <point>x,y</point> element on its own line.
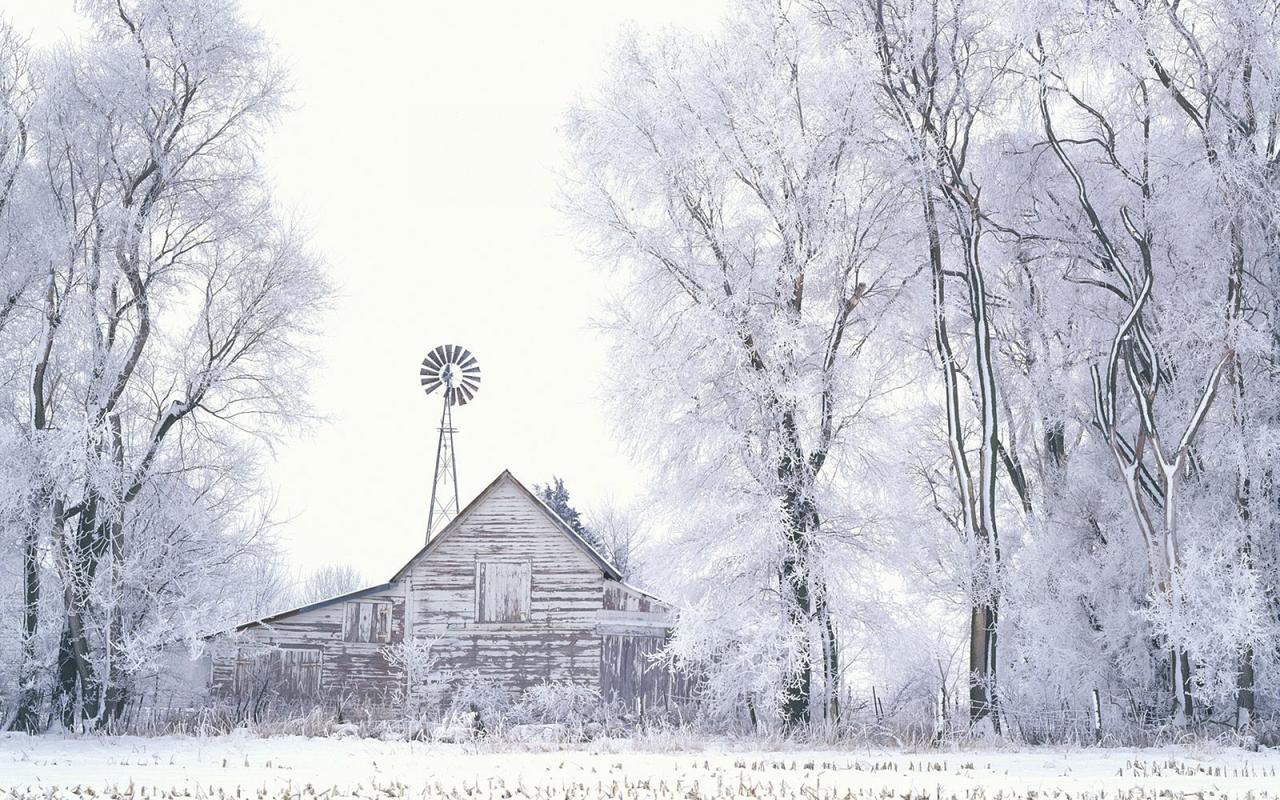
<point>456,371</point>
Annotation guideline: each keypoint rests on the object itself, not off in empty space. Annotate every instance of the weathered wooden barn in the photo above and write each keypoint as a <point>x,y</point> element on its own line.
<point>506,593</point>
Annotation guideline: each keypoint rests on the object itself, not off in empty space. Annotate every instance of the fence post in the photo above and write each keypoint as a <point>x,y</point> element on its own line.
<point>1097,716</point>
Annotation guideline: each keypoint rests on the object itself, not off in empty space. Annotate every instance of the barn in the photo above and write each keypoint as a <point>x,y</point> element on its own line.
<point>506,594</point>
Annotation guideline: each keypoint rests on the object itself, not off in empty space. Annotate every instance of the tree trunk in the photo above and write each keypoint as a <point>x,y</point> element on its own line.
<point>44,508</point>
<point>1184,711</point>
<point>26,717</point>
<point>795,710</point>
<point>1235,309</point>
<point>114,695</point>
<point>831,662</point>
<point>78,690</point>
<point>807,609</point>
<point>982,651</point>
<point>1244,691</point>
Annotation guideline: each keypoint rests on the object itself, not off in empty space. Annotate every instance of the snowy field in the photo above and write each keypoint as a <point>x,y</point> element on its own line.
<point>241,766</point>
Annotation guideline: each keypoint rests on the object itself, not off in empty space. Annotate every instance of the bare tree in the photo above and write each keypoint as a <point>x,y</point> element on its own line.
<point>620,531</point>
<point>1217,64</point>
<point>163,333</point>
<point>938,73</point>
<point>734,187</point>
<point>328,581</point>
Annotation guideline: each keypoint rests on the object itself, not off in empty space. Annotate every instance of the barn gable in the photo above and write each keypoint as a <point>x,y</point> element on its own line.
<point>507,491</point>
<point>508,593</point>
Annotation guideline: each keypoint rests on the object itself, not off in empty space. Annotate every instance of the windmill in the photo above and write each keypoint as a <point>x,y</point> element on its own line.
<point>457,371</point>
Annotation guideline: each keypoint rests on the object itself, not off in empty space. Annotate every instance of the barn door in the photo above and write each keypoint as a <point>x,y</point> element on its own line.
<point>632,673</point>
<point>288,673</point>
<point>503,591</point>
<point>300,673</point>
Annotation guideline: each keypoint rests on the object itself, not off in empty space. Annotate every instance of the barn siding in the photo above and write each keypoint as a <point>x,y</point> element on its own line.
<point>559,642</point>
<point>631,672</point>
<point>634,628</point>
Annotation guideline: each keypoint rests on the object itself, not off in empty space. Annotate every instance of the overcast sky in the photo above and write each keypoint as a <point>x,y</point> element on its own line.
<point>422,151</point>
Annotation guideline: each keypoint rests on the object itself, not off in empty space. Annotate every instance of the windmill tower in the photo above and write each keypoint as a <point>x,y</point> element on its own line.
<point>457,371</point>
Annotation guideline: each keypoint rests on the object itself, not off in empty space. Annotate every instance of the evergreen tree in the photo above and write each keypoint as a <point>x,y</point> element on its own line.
<point>556,496</point>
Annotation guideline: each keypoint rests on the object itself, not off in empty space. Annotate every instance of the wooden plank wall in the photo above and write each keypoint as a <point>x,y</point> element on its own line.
<point>622,597</point>
<point>634,627</point>
<point>558,642</point>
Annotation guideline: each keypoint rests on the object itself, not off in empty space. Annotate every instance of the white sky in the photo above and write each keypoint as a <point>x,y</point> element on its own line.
<point>422,152</point>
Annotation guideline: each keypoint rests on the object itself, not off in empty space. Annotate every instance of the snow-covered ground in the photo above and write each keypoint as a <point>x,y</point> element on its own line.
<point>243,766</point>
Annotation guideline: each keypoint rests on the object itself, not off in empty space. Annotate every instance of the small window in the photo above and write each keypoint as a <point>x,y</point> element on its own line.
<point>502,591</point>
<point>367,621</point>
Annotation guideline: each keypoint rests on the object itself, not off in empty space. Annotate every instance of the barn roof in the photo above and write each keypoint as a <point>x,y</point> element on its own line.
<point>318,604</point>
<point>608,568</point>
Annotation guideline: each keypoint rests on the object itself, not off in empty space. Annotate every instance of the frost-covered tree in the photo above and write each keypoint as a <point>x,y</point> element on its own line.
<point>1079,201</point>
<point>155,338</point>
<point>939,78</point>
<point>1160,200</point>
<point>732,183</point>
<point>556,496</point>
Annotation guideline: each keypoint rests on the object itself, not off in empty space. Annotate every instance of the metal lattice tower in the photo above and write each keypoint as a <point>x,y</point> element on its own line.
<point>455,369</point>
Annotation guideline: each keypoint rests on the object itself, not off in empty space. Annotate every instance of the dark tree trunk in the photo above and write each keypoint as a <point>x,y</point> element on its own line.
<point>115,694</point>
<point>30,696</point>
<point>796,708</point>
<point>982,664</point>
<point>1244,691</point>
<point>807,610</point>
<point>76,681</point>
<point>27,716</point>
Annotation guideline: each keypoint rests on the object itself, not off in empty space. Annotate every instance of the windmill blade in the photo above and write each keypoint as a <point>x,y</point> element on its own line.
<point>453,367</point>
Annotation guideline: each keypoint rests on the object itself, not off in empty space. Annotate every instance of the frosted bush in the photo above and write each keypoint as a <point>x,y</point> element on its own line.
<point>488,703</point>
<point>563,703</point>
